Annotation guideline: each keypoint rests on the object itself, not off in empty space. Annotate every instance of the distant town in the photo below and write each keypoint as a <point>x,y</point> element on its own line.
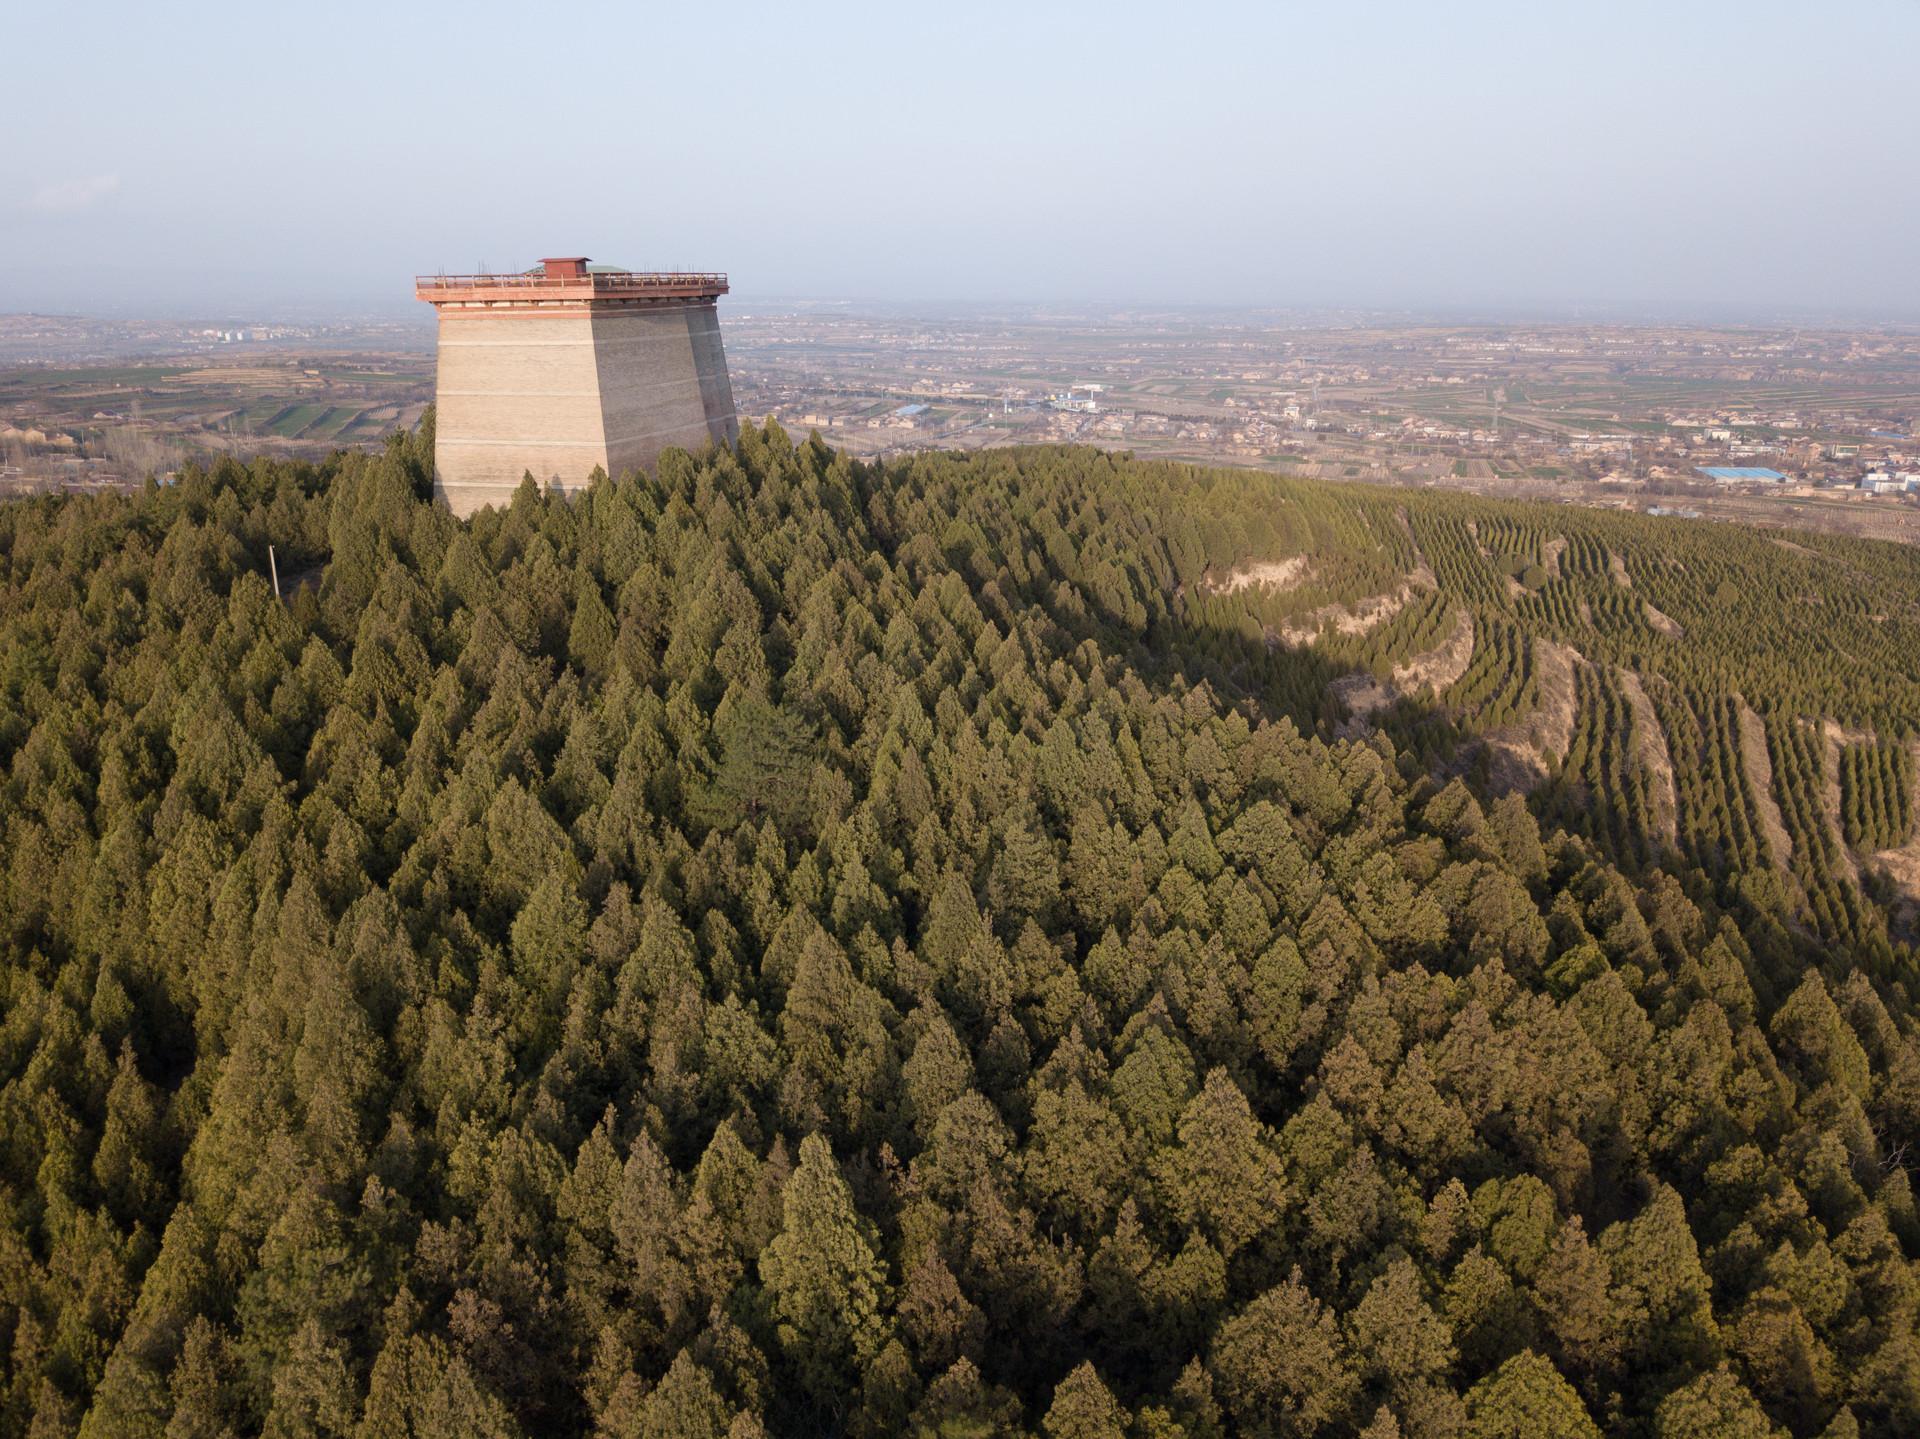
<point>1812,427</point>
<point>1807,427</point>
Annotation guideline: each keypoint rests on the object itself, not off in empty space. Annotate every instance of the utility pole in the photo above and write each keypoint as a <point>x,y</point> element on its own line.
<point>274,565</point>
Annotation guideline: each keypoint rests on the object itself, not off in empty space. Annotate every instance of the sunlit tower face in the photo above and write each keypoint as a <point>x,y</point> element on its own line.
<point>556,371</point>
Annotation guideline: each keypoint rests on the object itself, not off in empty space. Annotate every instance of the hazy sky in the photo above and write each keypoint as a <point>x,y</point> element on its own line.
<point>1687,155</point>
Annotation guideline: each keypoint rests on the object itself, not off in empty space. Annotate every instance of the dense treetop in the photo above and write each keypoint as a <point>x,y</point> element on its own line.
<point>790,947</point>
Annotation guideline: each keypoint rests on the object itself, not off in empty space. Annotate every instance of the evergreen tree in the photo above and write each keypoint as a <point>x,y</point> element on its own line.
<point>1527,1399</point>
<point>824,1277</point>
<point>561,971</point>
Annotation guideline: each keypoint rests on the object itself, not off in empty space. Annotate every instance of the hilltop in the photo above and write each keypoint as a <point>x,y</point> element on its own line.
<point>1026,942</point>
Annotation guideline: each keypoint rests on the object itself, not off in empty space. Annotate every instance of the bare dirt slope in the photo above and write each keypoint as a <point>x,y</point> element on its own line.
<point>1650,742</point>
<point>1556,695</point>
<point>1838,733</point>
<point>1759,767</point>
<point>1355,619</point>
<point>1276,575</point>
<point>1667,625</point>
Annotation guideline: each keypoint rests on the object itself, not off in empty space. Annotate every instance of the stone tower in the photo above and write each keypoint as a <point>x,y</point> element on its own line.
<point>555,370</point>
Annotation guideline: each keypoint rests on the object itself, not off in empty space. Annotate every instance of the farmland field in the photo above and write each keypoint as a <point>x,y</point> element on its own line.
<point>120,421</point>
<point>295,418</point>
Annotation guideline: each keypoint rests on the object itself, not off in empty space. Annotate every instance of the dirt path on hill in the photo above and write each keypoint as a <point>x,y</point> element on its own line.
<point>1650,744</point>
<point>1550,554</point>
<point>1617,568</point>
<point>1759,768</point>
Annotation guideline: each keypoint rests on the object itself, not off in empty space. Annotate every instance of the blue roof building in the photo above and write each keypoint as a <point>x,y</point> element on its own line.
<point>1741,474</point>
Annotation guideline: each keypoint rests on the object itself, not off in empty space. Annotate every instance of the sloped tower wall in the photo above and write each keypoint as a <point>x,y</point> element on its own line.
<point>663,381</point>
<point>558,371</point>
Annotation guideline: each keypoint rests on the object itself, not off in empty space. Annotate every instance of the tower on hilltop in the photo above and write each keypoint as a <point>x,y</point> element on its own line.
<point>555,370</point>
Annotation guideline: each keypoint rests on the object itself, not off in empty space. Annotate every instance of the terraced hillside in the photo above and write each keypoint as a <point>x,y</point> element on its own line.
<point>1671,630</point>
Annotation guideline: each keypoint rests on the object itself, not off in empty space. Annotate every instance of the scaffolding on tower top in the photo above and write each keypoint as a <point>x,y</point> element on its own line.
<point>568,279</point>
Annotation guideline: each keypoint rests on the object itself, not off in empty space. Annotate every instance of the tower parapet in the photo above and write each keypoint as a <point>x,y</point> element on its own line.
<point>559,369</point>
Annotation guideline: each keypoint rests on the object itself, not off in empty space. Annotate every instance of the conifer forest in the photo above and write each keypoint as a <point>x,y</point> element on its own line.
<point>1031,943</point>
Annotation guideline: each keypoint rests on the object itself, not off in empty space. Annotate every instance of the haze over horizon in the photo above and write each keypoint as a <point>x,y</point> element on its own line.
<point>1728,159</point>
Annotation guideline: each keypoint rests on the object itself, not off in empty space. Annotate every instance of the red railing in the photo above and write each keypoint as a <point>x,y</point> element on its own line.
<point>683,282</point>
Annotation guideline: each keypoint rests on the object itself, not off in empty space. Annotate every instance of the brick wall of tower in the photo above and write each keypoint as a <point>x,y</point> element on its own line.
<point>716,385</point>
<point>517,393</point>
<point>557,395</point>
<point>663,381</point>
